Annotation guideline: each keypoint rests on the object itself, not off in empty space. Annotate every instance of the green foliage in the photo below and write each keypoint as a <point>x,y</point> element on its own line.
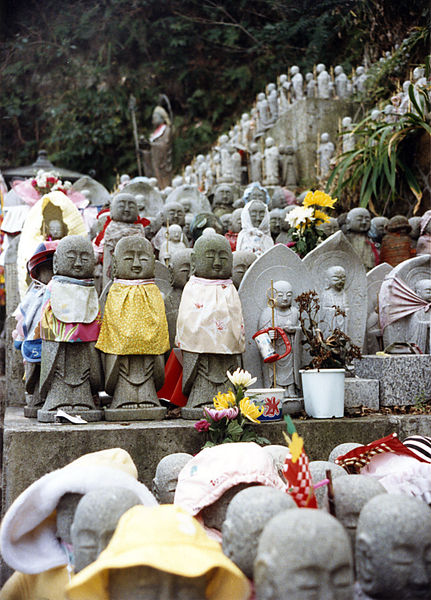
<point>68,69</point>
<point>383,168</point>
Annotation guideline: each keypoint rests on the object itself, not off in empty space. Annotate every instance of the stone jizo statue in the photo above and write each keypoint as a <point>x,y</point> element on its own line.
<point>358,223</point>
<point>393,545</point>
<point>235,228</point>
<point>419,324</point>
<point>288,167</point>
<point>297,83</point>
<point>255,173</point>
<point>325,153</point>
<point>71,372</point>
<point>341,82</point>
<point>95,520</point>
<point>174,214</point>
<point>180,271</point>
<point>275,221</point>
<point>246,516</point>
<point>377,229</point>
<point>334,296</point>
<point>211,341</point>
<point>172,245</point>
<point>223,199</point>
<point>303,553</point>
<point>56,229</point>
<point>255,235</point>
<point>318,470</point>
<point>134,334</point>
<point>166,477</point>
<point>124,213</point>
<point>342,449</point>
<point>272,160</point>
<point>241,262</point>
<point>348,137</point>
<point>286,317</point>
<point>323,81</point>
<point>158,151</point>
<point>311,85</point>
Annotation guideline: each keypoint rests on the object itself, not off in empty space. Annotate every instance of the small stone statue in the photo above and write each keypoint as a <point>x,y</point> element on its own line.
<point>419,324</point>
<point>154,553</point>
<point>351,493</point>
<point>134,334</point>
<point>236,162</point>
<point>246,516</point>
<point>276,216</point>
<point>283,87</point>
<point>318,470</point>
<point>424,240</point>
<point>245,129</point>
<point>255,163</point>
<point>288,167</point>
<point>334,297</point>
<point>235,228</point>
<point>124,213</point>
<point>70,365</point>
<point>297,83</point>
<point>174,214</point>
<point>172,244</point>
<point>180,271</point>
<point>157,152</point>
<point>329,227</point>
<point>272,159</point>
<point>325,152</point>
<point>358,223</point>
<point>264,116</point>
<point>415,224</point>
<point>303,553</point>
<point>286,316</point>
<point>211,340</point>
<point>323,81</point>
<point>348,137</point>
<point>166,477</point>
<point>393,539</point>
<point>396,243</point>
<point>311,85</point>
<point>56,230</point>
<point>359,80</point>
<point>341,82</point>
<point>241,262</point>
<point>342,449</point>
<point>95,520</point>
<point>377,230</point>
<point>271,91</point>
<point>255,233</point>
<point>223,199</point>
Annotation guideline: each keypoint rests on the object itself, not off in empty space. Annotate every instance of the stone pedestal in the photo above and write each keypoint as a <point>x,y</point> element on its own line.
<point>360,392</point>
<point>403,379</point>
<point>301,127</point>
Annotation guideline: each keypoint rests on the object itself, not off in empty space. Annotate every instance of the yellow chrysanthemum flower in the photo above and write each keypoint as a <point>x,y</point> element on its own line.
<point>321,217</point>
<point>296,446</point>
<point>319,198</point>
<point>226,400</point>
<point>249,410</point>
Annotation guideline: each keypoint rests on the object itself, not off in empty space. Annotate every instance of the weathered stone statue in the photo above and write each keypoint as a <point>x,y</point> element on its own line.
<point>318,470</point>
<point>236,162</point>
<point>272,160</point>
<point>235,228</point>
<point>297,83</point>
<point>135,564</point>
<point>208,333</point>
<point>342,449</point>
<point>166,477</point>
<point>255,235</point>
<point>374,336</point>
<point>419,325</point>
<point>172,244</point>
<point>286,317</point>
<point>264,116</point>
<point>246,516</point>
<point>275,221</point>
<point>180,271</point>
<point>158,152</point>
<point>255,173</point>
<point>377,230</point>
<point>56,230</point>
<point>223,199</point>
<point>358,223</point>
<point>70,371</point>
<point>351,493</point>
<point>124,212</point>
<point>415,224</point>
<point>323,81</point>
<point>396,244</point>
<point>349,139</point>
<point>424,241</point>
<point>359,80</point>
<point>311,85</point>
<point>325,152</point>
<point>283,87</point>
<point>392,549</point>
<point>241,262</point>
<point>134,334</point>
<point>334,296</point>
<point>288,167</point>
<point>303,553</point>
<point>329,227</point>
<point>95,520</point>
<point>174,214</point>
<point>341,82</point>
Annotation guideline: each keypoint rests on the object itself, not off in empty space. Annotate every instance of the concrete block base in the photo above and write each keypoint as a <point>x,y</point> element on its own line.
<point>361,392</point>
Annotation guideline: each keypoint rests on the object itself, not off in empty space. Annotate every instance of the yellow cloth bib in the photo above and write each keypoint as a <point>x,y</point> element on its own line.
<point>134,321</point>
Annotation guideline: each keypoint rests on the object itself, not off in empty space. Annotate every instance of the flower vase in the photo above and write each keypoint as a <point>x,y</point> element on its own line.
<point>323,391</point>
<point>271,400</point>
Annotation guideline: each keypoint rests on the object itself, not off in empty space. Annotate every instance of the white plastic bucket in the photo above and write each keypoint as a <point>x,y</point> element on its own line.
<point>323,392</point>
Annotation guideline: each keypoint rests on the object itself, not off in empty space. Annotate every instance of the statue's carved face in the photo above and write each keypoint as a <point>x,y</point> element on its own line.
<point>358,220</point>
<point>212,258</point>
<point>275,222</point>
<point>175,233</point>
<point>134,583</point>
<point>423,289</point>
<point>235,222</point>
<point>133,261</point>
<point>56,229</point>
<point>181,273</point>
<point>257,212</point>
<point>175,215</point>
<point>124,208</point>
<point>257,194</point>
<point>74,257</point>
<point>283,294</point>
<point>337,278</point>
<point>223,196</point>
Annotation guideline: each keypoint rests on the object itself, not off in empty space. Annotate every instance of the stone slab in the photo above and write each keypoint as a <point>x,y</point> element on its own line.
<point>403,380</point>
<point>361,392</point>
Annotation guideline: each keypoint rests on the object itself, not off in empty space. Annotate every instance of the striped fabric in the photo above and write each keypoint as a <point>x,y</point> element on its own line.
<point>420,445</point>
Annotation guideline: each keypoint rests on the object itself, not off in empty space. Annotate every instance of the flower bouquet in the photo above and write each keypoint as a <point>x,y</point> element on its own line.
<point>304,221</point>
<point>232,414</point>
<point>49,181</point>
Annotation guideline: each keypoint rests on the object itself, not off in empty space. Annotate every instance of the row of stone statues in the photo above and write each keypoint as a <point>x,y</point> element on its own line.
<point>91,529</point>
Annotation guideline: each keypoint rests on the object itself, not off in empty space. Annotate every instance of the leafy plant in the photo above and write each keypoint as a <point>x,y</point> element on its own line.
<point>382,167</point>
<point>336,350</point>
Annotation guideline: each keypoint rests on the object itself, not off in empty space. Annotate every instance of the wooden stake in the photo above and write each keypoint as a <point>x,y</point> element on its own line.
<point>272,305</point>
